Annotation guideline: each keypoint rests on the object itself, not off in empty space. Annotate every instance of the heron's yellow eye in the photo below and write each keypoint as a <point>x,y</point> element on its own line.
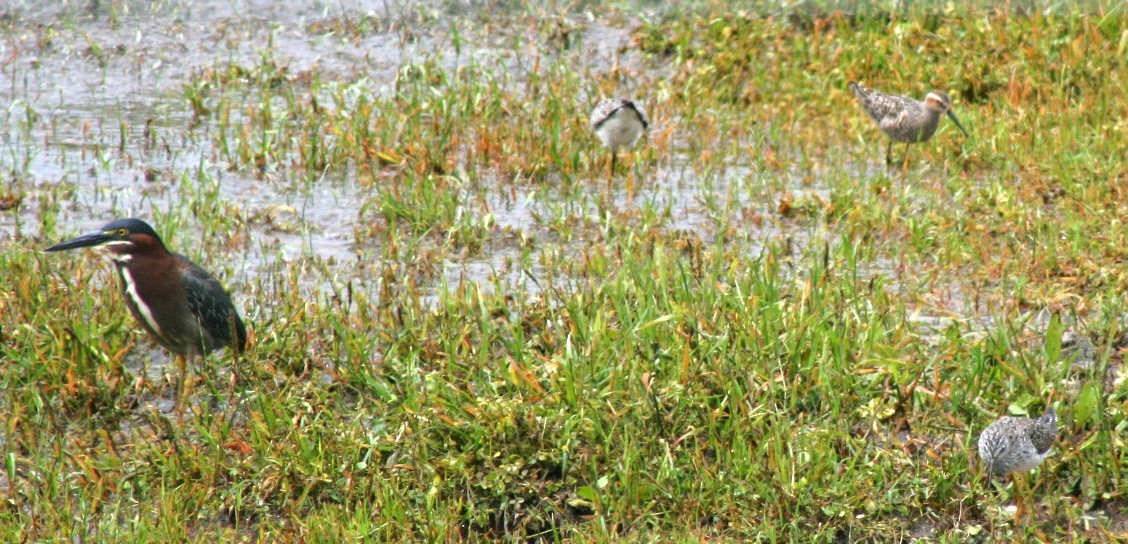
<point>122,232</point>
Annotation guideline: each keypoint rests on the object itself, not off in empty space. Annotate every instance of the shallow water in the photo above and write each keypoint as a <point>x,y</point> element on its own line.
<point>98,126</point>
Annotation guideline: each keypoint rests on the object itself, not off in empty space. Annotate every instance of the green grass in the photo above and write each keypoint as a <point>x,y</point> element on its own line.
<point>767,337</point>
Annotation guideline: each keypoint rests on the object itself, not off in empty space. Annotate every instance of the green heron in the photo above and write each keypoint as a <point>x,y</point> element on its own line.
<point>181,306</point>
<point>618,122</point>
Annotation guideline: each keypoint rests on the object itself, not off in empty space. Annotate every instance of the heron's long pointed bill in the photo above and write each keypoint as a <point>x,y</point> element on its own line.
<point>957,122</point>
<point>86,240</point>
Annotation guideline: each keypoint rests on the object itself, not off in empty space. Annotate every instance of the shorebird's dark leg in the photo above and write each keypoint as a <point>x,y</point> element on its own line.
<point>889,153</point>
<point>611,174</point>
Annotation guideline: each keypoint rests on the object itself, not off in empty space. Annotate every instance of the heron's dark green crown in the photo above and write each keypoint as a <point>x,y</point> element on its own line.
<point>128,226</point>
<point>121,236</point>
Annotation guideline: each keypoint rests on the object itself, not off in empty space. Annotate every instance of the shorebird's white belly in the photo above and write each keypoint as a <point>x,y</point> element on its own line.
<point>621,129</point>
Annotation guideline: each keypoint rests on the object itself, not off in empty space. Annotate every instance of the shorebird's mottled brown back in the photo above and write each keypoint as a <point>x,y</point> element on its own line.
<point>606,108</point>
<point>880,106</point>
<point>1017,443</point>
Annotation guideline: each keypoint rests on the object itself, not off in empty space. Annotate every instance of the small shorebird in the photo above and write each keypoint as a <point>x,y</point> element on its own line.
<point>1017,444</point>
<point>618,122</point>
<point>904,119</point>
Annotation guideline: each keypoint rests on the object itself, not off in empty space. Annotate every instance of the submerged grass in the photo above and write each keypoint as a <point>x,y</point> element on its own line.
<point>766,337</point>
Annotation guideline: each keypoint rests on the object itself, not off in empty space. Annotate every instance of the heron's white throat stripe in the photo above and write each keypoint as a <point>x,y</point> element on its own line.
<point>142,308</point>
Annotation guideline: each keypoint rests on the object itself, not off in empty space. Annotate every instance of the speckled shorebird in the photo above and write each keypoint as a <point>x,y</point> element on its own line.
<point>1017,444</point>
<point>618,122</point>
<point>904,119</point>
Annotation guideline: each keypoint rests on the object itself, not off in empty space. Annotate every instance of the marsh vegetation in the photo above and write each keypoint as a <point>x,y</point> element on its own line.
<point>461,331</point>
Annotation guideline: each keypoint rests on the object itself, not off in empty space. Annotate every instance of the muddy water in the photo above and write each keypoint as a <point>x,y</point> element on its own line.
<point>95,105</point>
<point>97,126</point>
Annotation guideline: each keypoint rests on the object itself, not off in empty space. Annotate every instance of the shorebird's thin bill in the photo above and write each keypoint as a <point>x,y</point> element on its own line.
<point>957,122</point>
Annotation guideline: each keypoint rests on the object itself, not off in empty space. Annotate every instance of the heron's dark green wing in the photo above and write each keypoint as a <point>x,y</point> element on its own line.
<point>212,306</point>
